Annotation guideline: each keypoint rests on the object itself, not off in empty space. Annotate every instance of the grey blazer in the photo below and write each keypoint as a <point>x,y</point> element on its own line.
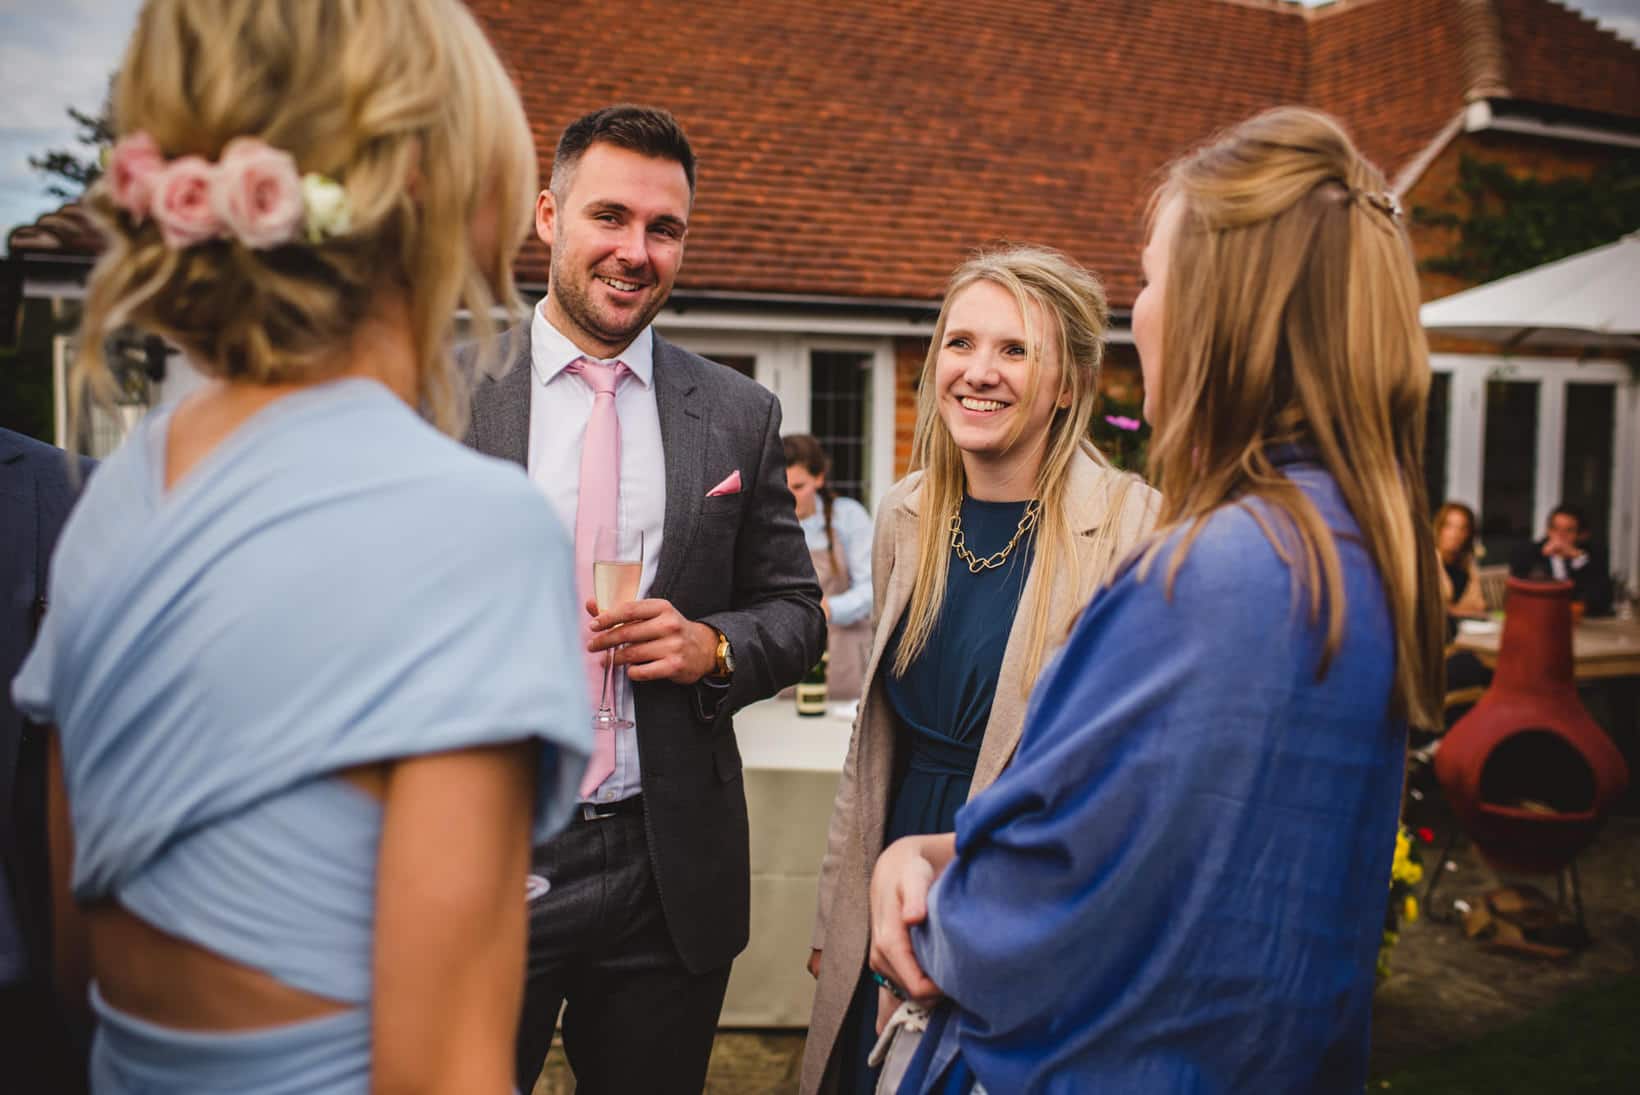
<point>737,562</point>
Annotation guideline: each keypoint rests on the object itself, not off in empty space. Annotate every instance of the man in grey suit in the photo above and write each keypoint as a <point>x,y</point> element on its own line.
<point>648,899</point>
<point>43,1043</point>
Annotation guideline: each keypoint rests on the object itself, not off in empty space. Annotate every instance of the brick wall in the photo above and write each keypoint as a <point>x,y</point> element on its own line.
<point>1437,190</point>
<point>1523,155</point>
<point>909,354</point>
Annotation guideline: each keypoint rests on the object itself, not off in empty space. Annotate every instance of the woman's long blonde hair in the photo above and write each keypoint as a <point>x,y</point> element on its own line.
<point>403,103</point>
<point>1072,304</point>
<point>1291,316</point>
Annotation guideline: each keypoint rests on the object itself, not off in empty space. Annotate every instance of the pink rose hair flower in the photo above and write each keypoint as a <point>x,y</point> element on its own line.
<point>257,194</point>
<point>182,202</point>
<point>253,194</point>
<point>133,168</point>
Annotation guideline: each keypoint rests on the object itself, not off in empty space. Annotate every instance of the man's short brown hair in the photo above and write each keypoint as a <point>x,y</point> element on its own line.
<point>647,130</point>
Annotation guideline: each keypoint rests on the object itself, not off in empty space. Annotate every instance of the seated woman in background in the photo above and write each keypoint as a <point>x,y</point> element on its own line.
<point>1455,543</point>
<point>838,531</point>
<point>1180,883</point>
<point>315,667</point>
<point>984,554</point>
<point>1460,592</point>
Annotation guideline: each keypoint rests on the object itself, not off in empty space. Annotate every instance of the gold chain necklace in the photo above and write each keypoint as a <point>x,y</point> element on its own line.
<point>976,564</point>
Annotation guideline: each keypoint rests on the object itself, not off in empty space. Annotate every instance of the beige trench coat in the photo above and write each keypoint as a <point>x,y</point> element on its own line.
<point>855,836</point>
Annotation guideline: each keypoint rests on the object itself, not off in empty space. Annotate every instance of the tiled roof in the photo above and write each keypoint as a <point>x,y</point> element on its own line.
<point>1554,55</point>
<point>1393,70</point>
<point>861,147</point>
<point>66,230</point>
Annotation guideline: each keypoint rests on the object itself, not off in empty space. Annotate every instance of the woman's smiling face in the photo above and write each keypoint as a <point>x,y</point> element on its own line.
<point>983,375</point>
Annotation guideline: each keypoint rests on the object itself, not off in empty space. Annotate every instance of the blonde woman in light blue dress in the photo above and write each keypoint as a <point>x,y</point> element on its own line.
<point>307,724</point>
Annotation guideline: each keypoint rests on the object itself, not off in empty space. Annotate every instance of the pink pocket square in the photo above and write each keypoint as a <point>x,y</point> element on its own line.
<point>731,485</point>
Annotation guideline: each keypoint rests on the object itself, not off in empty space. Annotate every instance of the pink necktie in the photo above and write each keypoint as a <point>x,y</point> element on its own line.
<point>597,506</point>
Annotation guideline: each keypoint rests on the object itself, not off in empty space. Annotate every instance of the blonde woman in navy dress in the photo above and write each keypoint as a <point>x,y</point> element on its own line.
<point>983,556</point>
<point>304,719</point>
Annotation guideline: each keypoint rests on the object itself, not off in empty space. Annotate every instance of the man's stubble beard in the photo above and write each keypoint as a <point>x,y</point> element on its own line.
<point>575,303</point>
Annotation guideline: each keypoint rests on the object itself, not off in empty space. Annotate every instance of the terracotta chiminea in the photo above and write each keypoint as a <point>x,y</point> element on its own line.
<point>1528,772</point>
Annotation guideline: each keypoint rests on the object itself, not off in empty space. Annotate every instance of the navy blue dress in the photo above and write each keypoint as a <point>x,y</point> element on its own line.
<point>941,707</point>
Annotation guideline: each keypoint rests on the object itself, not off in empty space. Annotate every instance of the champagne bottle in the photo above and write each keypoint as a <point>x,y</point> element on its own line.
<point>811,690</point>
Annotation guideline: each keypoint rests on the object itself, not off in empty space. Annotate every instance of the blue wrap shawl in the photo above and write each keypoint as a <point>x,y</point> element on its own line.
<point>1179,884</point>
<point>335,584</point>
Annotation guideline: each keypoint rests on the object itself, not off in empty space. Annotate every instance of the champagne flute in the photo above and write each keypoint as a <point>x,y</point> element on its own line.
<point>617,567</point>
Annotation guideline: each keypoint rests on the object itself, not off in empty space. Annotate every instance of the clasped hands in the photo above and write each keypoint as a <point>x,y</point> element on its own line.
<point>1566,549</point>
<point>899,898</point>
<point>654,641</point>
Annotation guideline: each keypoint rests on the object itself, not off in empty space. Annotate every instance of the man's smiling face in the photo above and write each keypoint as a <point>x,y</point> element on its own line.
<point>617,243</point>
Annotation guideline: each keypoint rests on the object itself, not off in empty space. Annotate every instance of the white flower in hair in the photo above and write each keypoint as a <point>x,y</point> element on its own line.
<point>326,205</point>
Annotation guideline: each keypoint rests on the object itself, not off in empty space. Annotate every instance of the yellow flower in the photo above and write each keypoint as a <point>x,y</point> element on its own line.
<point>1410,910</point>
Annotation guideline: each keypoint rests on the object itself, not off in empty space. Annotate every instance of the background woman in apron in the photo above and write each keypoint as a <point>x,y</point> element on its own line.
<point>838,531</point>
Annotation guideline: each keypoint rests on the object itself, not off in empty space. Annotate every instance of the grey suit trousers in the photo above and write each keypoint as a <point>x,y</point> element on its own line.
<point>599,938</point>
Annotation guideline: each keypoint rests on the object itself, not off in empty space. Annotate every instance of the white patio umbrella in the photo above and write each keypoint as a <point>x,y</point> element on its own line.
<point>1590,299</point>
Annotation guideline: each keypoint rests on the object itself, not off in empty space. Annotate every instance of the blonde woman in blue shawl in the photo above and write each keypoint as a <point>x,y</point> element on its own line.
<point>304,720</point>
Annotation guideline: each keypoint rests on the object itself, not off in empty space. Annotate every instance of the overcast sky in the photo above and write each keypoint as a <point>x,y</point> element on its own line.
<point>58,53</point>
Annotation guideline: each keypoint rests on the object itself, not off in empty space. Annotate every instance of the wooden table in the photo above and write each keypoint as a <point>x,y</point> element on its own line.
<point>1601,648</point>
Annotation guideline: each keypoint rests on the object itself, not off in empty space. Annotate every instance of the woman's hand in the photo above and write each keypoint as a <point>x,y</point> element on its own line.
<point>814,964</point>
<point>887,1004</point>
<point>899,898</point>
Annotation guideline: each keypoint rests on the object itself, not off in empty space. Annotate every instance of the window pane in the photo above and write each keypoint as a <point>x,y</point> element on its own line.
<point>1435,427</point>
<point>840,417</point>
<point>1509,473</point>
<point>1586,474</point>
<point>744,364</point>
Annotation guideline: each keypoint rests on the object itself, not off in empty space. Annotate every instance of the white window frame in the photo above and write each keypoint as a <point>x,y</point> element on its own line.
<point>1466,436</point>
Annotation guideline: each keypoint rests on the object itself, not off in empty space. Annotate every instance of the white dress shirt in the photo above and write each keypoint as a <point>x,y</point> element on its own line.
<point>560,404</point>
<point>1559,569</point>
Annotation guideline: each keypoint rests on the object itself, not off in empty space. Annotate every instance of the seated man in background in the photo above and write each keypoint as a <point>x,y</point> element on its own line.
<point>1566,554</point>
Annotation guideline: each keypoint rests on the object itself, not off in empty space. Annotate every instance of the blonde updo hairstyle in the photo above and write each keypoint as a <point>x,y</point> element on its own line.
<point>401,102</point>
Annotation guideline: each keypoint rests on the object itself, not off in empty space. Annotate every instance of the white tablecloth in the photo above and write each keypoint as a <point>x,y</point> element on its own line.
<point>791,764</point>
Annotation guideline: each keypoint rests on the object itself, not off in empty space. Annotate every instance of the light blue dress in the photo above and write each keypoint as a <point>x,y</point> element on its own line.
<point>335,584</point>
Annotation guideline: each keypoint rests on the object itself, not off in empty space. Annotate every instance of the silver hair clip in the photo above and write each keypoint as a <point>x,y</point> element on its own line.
<point>1384,201</point>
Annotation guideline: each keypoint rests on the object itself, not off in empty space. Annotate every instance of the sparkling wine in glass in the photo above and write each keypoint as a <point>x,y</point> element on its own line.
<point>617,566</point>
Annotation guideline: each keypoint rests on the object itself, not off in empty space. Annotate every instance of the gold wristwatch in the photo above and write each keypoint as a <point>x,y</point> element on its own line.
<point>725,667</point>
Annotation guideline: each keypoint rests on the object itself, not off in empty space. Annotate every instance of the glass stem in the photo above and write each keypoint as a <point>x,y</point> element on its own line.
<point>609,676</point>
